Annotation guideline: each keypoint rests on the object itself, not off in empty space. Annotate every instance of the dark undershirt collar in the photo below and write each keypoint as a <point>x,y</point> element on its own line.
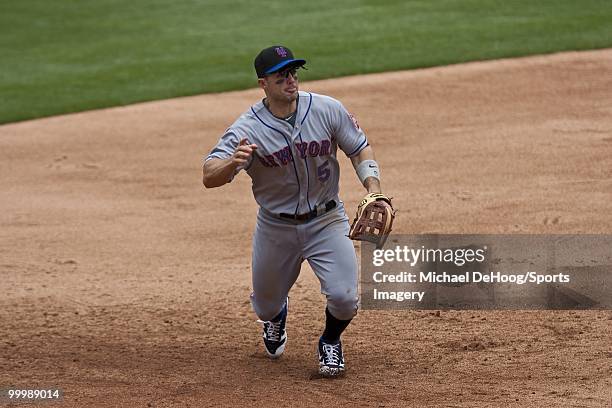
<point>289,119</point>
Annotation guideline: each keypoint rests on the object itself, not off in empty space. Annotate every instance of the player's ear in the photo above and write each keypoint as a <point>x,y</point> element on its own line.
<point>262,83</point>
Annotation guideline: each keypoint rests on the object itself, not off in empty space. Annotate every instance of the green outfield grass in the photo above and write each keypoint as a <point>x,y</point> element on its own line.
<point>69,55</point>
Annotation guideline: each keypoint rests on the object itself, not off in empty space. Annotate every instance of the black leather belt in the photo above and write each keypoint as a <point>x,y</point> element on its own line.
<point>320,209</point>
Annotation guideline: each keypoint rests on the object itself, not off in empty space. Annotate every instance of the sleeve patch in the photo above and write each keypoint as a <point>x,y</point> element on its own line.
<point>354,121</point>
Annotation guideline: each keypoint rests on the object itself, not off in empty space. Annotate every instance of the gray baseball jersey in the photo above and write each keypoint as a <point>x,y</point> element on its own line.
<point>294,168</point>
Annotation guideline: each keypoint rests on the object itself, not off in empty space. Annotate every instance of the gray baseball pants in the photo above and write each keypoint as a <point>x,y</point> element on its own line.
<point>279,248</point>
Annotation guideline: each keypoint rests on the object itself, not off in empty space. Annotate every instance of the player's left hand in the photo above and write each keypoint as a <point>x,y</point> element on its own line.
<point>374,220</point>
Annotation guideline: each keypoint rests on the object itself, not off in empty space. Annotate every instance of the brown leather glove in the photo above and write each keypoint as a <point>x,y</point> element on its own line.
<point>374,220</point>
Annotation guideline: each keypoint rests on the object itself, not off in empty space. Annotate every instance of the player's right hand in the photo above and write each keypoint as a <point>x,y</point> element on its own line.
<point>243,152</point>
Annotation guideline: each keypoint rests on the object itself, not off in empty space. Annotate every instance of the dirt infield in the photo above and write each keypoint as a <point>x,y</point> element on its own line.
<point>126,284</point>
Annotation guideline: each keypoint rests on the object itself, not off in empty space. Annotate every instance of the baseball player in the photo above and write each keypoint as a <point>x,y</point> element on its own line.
<point>287,144</point>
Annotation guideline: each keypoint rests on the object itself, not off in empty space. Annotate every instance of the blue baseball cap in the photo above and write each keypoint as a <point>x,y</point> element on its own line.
<point>274,59</point>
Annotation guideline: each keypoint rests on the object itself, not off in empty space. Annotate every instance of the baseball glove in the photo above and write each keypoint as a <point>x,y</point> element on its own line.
<point>374,219</point>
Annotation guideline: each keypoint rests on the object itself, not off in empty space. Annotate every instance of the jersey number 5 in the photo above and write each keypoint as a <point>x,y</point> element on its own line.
<point>323,172</point>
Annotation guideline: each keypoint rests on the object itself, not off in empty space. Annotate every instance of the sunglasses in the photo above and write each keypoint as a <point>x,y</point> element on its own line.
<point>284,75</point>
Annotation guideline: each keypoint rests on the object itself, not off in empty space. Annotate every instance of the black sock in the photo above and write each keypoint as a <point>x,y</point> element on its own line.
<point>279,315</point>
<point>333,327</point>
